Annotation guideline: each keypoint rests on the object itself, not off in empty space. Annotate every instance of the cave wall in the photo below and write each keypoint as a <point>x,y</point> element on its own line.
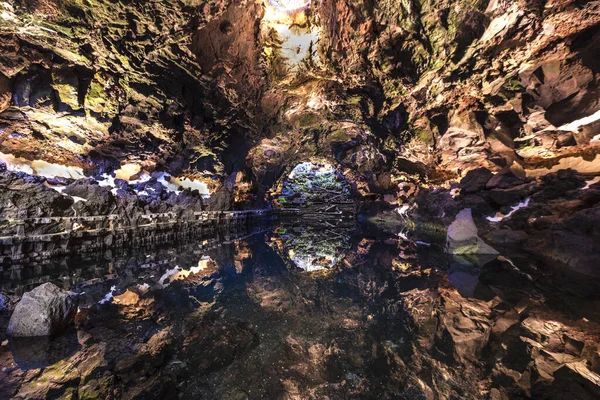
<point>417,90</point>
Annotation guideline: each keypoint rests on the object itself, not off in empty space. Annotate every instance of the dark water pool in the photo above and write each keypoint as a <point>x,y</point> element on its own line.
<point>290,312</point>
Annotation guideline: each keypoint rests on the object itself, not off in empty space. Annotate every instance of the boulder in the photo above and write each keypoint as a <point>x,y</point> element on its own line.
<point>462,236</point>
<point>44,311</point>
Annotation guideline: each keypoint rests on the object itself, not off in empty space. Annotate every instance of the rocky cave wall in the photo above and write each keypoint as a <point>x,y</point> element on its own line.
<point>390,92</point>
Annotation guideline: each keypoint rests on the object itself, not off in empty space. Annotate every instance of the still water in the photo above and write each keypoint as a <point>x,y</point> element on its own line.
<point>283,312</point>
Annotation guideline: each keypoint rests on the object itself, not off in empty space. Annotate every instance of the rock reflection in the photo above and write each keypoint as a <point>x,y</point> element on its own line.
<point>41,352</point>
<point>388,320</point>
<point>464,271</point>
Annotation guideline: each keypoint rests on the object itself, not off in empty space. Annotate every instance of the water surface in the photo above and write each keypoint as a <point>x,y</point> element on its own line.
<point>289,312</point>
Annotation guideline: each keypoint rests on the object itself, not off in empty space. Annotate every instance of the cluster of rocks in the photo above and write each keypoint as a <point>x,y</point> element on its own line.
<point>29,196</point>
<point>552,217</point>
<point>458,86</point>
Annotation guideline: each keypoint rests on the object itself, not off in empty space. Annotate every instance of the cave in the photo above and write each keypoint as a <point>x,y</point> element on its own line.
<point>296,199</point>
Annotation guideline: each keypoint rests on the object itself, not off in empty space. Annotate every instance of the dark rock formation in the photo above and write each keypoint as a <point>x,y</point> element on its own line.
<point>422,108</point>
<point>44,311</point>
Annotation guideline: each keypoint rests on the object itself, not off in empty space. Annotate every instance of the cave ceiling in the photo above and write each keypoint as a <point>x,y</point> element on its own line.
<point>205,89</point>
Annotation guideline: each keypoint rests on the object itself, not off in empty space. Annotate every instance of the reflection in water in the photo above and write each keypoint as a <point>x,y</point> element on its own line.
<point>312,248</point>
<point>464,270</point>
<point>41,352</point>
<point>243,319</point>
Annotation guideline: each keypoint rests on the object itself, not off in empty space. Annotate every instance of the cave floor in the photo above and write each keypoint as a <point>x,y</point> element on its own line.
<point>391,319</point>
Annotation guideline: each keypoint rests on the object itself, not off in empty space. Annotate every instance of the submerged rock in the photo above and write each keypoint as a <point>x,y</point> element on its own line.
<point>462,236</point>
<point>44,311</point>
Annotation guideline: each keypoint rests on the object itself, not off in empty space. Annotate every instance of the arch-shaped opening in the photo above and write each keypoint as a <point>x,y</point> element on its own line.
<point>324,202</point>
<point>315,187</point>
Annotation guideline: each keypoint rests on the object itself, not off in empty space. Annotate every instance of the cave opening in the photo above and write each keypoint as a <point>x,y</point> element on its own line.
<point>314,186</point>
<point>289,5</point>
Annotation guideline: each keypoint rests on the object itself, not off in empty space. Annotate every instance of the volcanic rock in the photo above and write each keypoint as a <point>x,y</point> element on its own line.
<point>44,311</point>
<point>476,180</point>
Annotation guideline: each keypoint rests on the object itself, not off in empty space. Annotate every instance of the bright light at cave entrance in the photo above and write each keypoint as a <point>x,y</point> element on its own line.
<point>297,37</point>
<point>289,5</point>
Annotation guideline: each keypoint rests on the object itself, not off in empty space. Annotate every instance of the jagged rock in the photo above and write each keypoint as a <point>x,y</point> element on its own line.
<point>463,149</point>
<point>504,197</point>
<point>21,197</point>
<point>476,180</point>
<point>96,199</point>
<point>576,381</point>
<point>41,352</point>
<point>464,329</point>
<point>5,92</point>
<point>44,311</point>
<point>462,236</point>
<point>503,181</point>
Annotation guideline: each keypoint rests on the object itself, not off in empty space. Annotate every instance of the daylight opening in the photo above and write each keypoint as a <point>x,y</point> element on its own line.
<point>289,5</point>
<point>315,187</point>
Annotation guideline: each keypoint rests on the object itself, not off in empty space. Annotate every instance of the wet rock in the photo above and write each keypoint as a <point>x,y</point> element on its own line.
<point>462,236</point>
<point>44,311</point>
<point>504,197</point>
<point>556,185</point>
<point>503,181</point>
<point>221,200</point>
<point>218,344</point>
<point>464,328</point>
<point>576,242</point>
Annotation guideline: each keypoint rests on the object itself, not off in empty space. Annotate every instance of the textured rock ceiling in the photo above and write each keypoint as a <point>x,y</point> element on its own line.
<point>384,90</point>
